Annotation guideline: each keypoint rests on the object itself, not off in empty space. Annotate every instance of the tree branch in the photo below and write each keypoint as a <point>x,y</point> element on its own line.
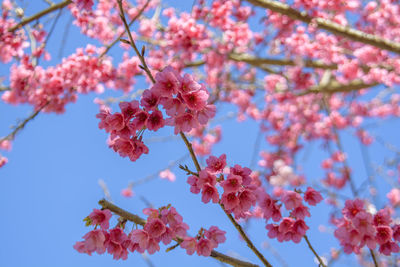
<point>20,126</point>
<point>335,28</point>
<point>336,87</point>
<point>40,14</point>
<point>140,221</point>
<point>321,263</point>
<point>255,61</point>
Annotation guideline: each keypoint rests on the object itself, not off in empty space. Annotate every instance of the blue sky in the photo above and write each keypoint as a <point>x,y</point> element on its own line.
<point>51,182</point>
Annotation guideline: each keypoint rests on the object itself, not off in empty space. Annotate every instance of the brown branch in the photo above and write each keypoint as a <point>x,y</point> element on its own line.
<point>140,221</point>
<point>121,212</point>
<point>132,42</point>
<point>109,46</point>
<point>192,154</point>
<point>40,14</point>
<point>188,144</point>
<point>373,257</point>
<point>20,126</point>
<point>335,28</point>
<point>246,238</point>
<point>255,61</point>
<point>336,87</point>
<point>321,263</point>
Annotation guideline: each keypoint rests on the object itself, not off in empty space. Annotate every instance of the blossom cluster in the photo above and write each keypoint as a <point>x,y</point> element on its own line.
<point>183,99</point>
<point>359,228</point>
<point>292,227</point>
<point>12,44</point>
<point>242,191</point>
<point>238,189</point>
<point>162,225</point>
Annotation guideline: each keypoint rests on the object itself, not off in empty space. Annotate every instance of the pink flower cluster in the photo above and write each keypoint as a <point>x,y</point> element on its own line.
<point>359,228</point>
<point>183,99</point>
<point>162,225</point>
<point>292,227</point>
<point>239,191</point>
<point>82,72</point>
<point>4,145</point>
<point>12,44</point>
<point>204,242</point>
<point>205,139</point>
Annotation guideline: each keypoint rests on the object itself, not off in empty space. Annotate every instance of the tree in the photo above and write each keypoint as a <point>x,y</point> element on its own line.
<point>310,81</point>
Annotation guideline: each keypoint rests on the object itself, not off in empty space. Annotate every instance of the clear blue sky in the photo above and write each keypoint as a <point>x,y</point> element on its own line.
<point>51,182</point>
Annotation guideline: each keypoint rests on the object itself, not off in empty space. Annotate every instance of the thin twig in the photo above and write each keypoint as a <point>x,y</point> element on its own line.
<point>20,126</point>
<point>109,46</point>
<point>315,253</point>
<point>192,154</point>
<point>40,14</point>
<point>132,42</point>
<point>373,257</point>
<point>246,238</point>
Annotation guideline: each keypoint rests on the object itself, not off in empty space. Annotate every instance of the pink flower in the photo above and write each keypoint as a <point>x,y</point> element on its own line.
<point>206,177</point>
<point>396,232</point>
<point>188,84</point>
<point>3,161</point>
<point>216,165</point>
<point>312,197</point>
<point>300,212</point>
<point>204,115</point>
<point>150,100</point>
<point>383,234</point>
<point>139,121</point>
<point>127,192</point>
<point>300,227</point>
<point>155,121</point>
<point>141,237</point>
<point>204,247</point>
<point>190,244</point>
<point>183,123</point>
<point>232,184</point>
<point>352,207</point>
<point>94,241</point>
<point>363,223</point>
<point>155,227</point>
<point>115,122</point>
<point>382,217</point>
<point>230,201</point>
<point>209,192</point>
<point>153,246</point>
<point>388,248</point>
<point>167,82</point>
<point>5,145</point>
<point>291,200</point>
<point>167,174</point>
<point>247,199</point>
<point>196,100</point>
<point>216,235</point>
<point>394,197</point>
<point>85,4</point>
<point>194,187</point>
<point>114,244</point>
<point>100,217</point>
<point>129,109</point>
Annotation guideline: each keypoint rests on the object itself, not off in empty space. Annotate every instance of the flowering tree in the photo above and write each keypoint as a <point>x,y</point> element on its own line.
<point>303,72</point>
